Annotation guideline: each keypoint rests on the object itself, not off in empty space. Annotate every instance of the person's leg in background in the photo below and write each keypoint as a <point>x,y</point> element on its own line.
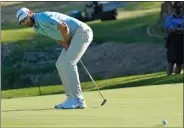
<point>170,67</point>
<point>79,44</point>
<point>171,53</point>
<point>177,68</point>
<point>179,54</point>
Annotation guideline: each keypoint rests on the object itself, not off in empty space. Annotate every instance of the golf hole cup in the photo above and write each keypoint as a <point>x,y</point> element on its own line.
<point>164,122</point>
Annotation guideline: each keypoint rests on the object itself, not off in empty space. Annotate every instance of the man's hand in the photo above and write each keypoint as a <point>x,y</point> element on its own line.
<point>171,29</point>
<point>180,29</point>
<point>64,29</point>
<point>64,44</point>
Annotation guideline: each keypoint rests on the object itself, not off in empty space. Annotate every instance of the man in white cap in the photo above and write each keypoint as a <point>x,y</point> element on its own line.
<point>75,37</point>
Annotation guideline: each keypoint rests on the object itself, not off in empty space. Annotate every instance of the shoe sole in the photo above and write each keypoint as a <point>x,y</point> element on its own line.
<point>79,107</point>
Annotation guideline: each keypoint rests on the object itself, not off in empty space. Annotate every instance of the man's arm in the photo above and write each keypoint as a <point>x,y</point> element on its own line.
<point>57,24</point>
<point>64,29</point>
<point>168,25</point>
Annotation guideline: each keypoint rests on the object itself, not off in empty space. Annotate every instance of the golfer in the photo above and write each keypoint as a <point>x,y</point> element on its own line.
<point>75,37</point>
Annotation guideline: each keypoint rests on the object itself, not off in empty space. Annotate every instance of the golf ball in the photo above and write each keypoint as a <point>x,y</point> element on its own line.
<point>164,122</point>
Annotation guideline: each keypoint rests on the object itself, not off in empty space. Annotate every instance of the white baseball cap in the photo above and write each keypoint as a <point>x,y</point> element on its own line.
<point>22,13</point>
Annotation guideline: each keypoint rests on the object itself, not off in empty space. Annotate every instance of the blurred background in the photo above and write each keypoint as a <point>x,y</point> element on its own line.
<point>127,50</point>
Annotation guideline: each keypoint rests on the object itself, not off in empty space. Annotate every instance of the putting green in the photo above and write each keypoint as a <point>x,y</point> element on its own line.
<point>129,107</point>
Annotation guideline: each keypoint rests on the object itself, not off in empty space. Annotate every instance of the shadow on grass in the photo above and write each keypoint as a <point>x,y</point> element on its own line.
<point>147,82</point>
<point>39,109</point>
<point>159,125</point>
<point>16,110</point>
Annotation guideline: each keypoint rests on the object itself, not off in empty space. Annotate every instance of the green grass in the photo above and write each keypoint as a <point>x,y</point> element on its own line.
<point>8,10</point>
<point>132,21</point>
<point>142,5</point>
<point>129,107</point>
<point>126,30</point>
<point>17,35</point>
<point>120,82</point>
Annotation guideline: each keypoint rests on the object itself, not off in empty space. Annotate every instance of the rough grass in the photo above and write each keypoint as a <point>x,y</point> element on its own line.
<point>120,82</point>
<point>142,5</point>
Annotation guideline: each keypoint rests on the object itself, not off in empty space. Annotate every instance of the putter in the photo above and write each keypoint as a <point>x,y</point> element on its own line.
<point>104,100</point>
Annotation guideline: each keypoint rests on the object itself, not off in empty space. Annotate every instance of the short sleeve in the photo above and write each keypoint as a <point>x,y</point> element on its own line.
<point>168,22</point>
<point>48,21</point>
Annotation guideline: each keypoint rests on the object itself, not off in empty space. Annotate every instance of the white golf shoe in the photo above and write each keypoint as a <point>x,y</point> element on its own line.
<point>65,102</point>
<point>72,104</point>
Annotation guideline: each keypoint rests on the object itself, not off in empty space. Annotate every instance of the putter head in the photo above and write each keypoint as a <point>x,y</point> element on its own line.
<point>104,101</point>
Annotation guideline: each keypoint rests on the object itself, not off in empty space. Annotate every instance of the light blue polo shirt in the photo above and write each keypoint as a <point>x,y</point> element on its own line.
<point>46,23</point>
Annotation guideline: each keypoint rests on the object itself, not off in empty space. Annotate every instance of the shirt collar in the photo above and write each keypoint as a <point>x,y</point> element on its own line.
<point>35,20</point>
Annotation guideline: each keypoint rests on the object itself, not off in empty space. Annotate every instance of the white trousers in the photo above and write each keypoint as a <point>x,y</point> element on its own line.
<point>67,61</point>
